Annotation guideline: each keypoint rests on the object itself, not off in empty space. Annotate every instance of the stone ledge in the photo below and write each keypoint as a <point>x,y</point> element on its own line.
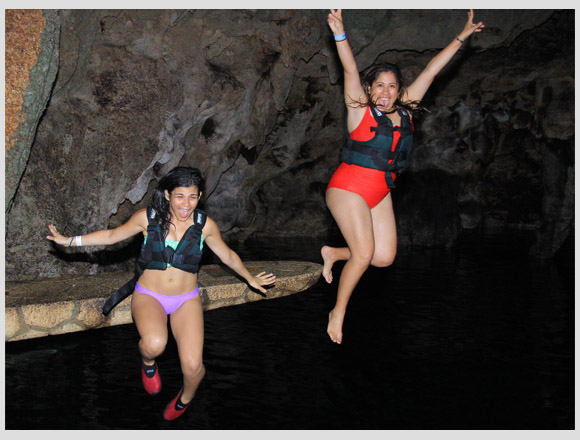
<point>54,306</point>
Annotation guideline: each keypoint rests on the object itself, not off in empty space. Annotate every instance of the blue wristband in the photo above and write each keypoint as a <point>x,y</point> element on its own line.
<point>340,37</point>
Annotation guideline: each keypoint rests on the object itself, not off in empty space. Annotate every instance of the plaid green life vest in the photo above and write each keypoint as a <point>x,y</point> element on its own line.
<point>155,255</point>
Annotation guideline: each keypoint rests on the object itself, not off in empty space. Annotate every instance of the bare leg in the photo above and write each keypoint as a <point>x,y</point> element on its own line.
<point>385,236</point>
<point>371,236</point>
<point>187,327</point>
<point>385,233</point>
<point>151,321</point>
<point>354,219</point>
<point>331,255</point>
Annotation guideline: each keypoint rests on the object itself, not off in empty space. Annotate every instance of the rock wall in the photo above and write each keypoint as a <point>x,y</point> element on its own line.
<point>254,99</point>
<point>31,59</point>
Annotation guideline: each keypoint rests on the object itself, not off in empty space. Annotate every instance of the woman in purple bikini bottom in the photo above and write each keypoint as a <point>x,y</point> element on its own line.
<point>175,232</point>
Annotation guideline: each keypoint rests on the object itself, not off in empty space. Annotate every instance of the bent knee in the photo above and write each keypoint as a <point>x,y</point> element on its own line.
<point>384,260</point>
<point>153,346</point>
<point>362,258</point>
<point>192,367</point>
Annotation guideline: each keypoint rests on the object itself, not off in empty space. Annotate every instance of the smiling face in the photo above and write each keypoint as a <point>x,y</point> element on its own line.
<point>182,202</point>
<point>384,91</point>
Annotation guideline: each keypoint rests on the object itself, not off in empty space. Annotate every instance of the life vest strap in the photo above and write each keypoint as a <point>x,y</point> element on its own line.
<point>370,151</point>
<point>390,181</point>
<point>387,130</point>
<point>120,294</point>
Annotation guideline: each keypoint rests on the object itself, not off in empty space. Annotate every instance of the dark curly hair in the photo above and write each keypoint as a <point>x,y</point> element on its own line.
<point>177,177</point>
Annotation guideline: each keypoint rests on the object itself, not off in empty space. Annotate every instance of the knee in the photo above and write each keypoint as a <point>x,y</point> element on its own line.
<point>363,257</point>
<point>192,367</point>
<point>152,346</point>
<point>384,260</point>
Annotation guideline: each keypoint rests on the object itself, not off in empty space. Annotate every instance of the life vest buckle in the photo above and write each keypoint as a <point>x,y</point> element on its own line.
<point>168,255</point>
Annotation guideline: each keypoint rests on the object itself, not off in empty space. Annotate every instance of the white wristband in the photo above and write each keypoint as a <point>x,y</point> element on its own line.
<point>78,240</point>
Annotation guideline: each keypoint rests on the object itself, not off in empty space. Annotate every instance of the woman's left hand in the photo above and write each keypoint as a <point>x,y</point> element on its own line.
<point>262,279</point>
<point>57,237</point>
<point>470,27</point>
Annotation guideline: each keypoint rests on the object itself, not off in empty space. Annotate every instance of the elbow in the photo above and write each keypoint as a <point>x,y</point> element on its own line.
<point>230,258</point>
<point>110,239</point>
<point>351,73</point>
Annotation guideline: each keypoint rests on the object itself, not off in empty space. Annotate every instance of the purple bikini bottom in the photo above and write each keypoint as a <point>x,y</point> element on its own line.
<point>169,302</point>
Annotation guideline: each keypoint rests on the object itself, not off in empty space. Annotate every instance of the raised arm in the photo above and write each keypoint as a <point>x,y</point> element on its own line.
<point>213,238</point>
<point>417,90</point>
<point>353,90</point>
<point>137,223</point>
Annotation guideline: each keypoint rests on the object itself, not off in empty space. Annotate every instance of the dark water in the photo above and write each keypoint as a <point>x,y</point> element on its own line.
<point>480,337</point>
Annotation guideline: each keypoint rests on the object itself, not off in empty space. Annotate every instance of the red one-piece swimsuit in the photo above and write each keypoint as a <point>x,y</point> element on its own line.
<point>369,183</point>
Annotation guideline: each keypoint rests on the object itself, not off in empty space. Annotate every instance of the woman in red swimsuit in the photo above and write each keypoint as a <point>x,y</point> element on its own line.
<point>358,197</point>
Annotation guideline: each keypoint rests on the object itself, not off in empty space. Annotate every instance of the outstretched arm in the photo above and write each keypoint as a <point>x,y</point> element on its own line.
<point>137,223</point>
<point>417,90</point>
<point>353,90</point>
<point>213,238</point>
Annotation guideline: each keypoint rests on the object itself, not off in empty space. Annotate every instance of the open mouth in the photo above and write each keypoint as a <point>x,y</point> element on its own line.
<point>183,213</point>
<point>383,102</point>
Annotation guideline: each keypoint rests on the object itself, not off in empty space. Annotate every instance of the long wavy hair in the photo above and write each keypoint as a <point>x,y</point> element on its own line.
<point>370,75</point>
<point>177,177</point>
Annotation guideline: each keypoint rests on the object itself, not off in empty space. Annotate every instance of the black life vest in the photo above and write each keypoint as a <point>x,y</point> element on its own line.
<point>378,153</point>
<point>156,256</point>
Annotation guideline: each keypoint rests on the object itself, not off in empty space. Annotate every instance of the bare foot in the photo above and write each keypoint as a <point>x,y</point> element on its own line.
<point>334,329</point>
<point>326,253</point>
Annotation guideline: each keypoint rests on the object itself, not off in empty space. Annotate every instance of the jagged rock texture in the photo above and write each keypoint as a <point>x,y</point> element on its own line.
<point>254,99</point>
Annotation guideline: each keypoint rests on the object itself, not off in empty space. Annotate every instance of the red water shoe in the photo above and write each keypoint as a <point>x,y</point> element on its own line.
<point>175,408</point>
<point>151,379</point>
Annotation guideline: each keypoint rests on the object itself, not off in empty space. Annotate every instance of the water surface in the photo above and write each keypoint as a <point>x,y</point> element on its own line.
<point>479,337</point>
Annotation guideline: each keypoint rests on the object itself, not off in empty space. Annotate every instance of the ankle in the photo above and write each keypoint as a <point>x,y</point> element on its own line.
<point>336,315</point>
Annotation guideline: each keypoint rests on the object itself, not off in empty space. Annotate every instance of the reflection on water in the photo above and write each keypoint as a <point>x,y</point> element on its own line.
<point>479,337</point>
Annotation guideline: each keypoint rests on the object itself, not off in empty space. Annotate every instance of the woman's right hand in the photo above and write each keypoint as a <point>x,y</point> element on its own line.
<point>335,21</point>
<point>470,26</point>
<point>57,237</point>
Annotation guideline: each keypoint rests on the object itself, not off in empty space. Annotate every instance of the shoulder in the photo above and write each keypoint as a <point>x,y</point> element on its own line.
<point>140,217</point>
<point>362,132</point>
<point>142,213</point>
<point>210,227</point>
<point>211,232</point>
